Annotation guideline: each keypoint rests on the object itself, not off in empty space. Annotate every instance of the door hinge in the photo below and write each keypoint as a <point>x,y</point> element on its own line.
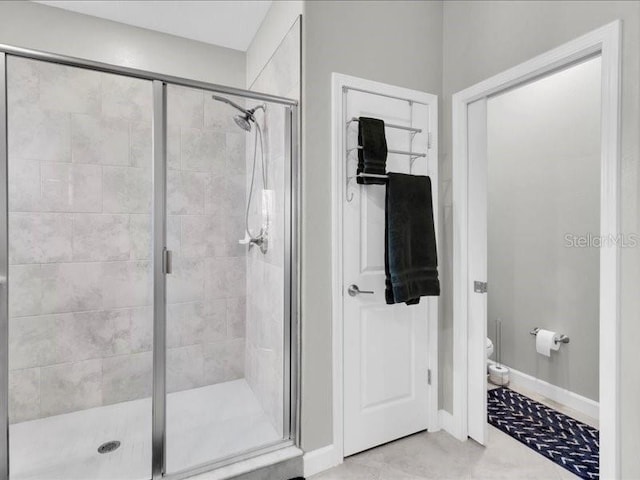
<point>428,376</point>
<point>429,142</point>
<point>479,287</point>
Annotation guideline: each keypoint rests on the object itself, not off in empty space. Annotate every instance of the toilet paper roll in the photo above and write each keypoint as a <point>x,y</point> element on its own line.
<point>545,342</point>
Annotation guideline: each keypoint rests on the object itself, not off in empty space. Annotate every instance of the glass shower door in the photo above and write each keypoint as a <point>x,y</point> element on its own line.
<point>225,362</point>
<point>80,276</point>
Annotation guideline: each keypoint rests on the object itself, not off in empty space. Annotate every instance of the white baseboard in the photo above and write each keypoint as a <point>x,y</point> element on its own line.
<point>584,405</point>
<point>319,460</point>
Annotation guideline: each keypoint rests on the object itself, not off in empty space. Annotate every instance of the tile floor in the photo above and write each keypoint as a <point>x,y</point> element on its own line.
<point>203,424</point>
<point>440,456</point>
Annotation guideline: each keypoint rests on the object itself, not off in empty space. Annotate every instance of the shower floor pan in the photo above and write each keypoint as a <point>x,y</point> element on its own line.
<point>203,424</point>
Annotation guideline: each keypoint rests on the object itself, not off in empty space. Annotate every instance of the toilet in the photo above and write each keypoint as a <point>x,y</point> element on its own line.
<point>489,346</point>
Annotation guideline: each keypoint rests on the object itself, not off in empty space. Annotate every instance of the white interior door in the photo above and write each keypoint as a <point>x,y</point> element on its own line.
<point>386,347</point>
<point>477,359</point>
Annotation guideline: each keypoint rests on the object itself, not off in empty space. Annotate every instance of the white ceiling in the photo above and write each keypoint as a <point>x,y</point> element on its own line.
<point>231,24</point>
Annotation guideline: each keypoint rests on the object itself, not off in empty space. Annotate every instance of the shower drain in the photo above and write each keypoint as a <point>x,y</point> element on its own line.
<point>108,447</point>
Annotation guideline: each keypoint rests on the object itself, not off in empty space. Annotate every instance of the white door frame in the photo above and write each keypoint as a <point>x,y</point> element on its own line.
<point>338,185</point>
<point>606,42</point>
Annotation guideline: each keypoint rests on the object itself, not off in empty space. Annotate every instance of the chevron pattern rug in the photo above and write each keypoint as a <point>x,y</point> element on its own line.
<point>562,439</point>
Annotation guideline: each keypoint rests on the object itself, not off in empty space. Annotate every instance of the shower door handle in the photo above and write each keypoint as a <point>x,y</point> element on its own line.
<point>168,262</point>
<point>353,290</point>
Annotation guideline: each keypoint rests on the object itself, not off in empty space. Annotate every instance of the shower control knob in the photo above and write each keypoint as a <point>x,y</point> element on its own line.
<point>353,290</point>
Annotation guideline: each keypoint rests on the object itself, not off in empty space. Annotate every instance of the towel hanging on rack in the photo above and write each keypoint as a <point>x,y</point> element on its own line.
<point>411,260</point>
<point>372,157</point>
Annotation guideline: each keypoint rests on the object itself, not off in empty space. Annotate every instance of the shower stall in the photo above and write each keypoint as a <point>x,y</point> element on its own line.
<point>148,268</point>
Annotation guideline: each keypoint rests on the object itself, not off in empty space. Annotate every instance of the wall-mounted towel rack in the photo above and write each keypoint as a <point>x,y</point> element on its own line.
<point>371,175</point>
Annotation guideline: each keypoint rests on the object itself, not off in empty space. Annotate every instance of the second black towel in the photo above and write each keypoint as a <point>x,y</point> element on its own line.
<point>372,157</point>
<point>411,259</point>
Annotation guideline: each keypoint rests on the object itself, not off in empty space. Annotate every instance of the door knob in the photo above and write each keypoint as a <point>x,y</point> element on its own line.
<point>353,290</point>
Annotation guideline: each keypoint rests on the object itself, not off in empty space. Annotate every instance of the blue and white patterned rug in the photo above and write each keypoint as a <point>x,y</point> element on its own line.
<point>564,440</point>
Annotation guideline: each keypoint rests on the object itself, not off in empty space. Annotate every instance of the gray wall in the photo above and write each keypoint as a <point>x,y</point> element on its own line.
<point>543,184</point>
<point>484,38</point>
<point>393,42</point>
<point>40,27</point>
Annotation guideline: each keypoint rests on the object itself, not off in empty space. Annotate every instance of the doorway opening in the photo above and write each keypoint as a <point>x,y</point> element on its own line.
<point>519,209</point>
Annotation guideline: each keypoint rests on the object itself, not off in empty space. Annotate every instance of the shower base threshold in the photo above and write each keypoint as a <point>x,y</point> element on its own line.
<point>203,424</point>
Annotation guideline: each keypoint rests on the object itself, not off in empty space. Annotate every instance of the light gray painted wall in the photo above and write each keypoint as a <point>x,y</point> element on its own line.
<point>393,42</point>
<point>543,184</point>
<point>482,39</point>
<point>40,27</point>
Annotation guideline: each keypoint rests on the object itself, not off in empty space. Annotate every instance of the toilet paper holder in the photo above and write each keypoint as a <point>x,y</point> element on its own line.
<point>561,339</point>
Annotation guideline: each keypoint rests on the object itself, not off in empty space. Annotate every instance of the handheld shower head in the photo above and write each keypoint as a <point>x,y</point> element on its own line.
<point>244,120</point>
<point>229,102</point>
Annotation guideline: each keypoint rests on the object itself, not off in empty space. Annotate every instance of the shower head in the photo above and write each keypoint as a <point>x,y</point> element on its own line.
<point>244,120</point>
<point>229,102</point>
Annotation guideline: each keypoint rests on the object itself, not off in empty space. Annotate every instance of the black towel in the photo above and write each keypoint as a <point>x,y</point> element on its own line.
<point>372,157</point>
<point>410,260</point>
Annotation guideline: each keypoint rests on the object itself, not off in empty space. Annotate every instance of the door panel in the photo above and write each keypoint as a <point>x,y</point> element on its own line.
<point>385,346</point>
<point>477,360</point>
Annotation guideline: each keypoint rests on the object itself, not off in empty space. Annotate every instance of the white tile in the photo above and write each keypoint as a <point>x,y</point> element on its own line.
<point>126,284</point>
<point>236,317</point>
<point>186,283</point>
<point>40,237</point>
<point>202,150</point>
<point>24,185</point>
<point>36,134</point>
<point>25,285</point>
<point>235,161</point>
<point>185,324</point>
<point>226,277</point>
<point>140,236</point>
<point>71,188</point>
<point>126,190</point>
<point>215,323</point>
<point>99,140</point>
<point>71,287</point>
<point>68,387</point>
<point>23,82</point>
<point>201,235</point>
<point>141,145</point>
<point>101,237</point>
<point>141,336</point>
<point>68,89</point>
<point>223,361</point>
<point>126,98</point>
<point>185,106</point>
<point>185,192</point>
<point>184,368</point>
<point>24,395</point>
<point>127,377</point>
<point>45,340</point>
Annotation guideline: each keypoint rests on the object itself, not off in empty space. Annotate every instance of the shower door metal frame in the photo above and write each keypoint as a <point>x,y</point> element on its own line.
<point>291,338</point>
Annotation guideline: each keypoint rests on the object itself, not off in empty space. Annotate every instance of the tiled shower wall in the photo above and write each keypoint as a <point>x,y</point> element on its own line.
<point>79,240</point>
<point>265,273</point>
